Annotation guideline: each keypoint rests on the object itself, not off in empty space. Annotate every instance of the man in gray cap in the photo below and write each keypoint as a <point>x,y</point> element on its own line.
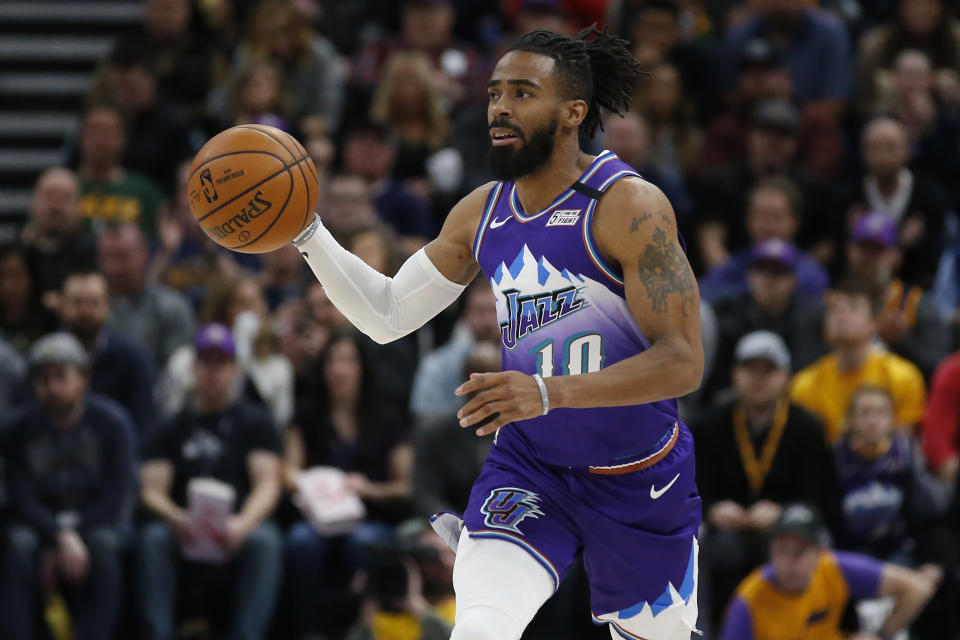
<point>753,455</point>
<point>69,458</point>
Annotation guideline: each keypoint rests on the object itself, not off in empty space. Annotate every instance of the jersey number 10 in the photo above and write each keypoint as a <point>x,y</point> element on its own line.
<point>582,353</point>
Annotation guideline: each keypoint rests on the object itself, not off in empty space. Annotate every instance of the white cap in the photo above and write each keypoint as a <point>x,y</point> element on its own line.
<point>58,348</point>
<point>763,344</point>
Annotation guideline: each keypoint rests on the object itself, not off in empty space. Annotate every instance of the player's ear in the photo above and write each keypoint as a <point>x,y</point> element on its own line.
<point>573,112</point>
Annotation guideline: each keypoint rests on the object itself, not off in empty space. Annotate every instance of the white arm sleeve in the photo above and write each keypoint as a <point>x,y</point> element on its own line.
<point>383,308</point>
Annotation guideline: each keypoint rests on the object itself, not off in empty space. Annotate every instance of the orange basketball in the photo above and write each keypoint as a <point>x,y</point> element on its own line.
<point>252,188</point>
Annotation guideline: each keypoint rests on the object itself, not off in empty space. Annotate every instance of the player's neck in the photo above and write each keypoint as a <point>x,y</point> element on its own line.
<point>538,189</point>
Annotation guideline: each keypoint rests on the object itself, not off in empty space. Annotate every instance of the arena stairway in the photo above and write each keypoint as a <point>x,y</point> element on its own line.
<point>48,51</point>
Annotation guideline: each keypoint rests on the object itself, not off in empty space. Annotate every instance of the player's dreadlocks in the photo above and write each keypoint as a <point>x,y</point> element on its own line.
<point>595,66</point>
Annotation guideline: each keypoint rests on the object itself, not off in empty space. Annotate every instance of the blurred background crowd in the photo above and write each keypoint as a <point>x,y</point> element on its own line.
<point>811,151</point>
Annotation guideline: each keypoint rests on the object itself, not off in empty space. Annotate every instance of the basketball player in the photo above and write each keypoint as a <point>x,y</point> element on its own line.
<point>600,330</point>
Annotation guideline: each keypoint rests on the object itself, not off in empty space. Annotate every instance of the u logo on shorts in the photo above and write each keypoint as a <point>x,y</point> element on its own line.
<point>506,507</point>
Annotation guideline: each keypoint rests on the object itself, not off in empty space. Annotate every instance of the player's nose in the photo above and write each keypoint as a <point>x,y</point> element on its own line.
<point>501,108</point>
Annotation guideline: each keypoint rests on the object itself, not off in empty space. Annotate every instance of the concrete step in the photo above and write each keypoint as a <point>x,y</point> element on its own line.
<point>99,12</point>
<point>20,161</point>
<point>44,84</point>
<point>54,48</point>
<point>14,202</point>
<point>22,124</point>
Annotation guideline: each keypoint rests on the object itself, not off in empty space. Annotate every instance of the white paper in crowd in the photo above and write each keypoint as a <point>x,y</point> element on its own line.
<point>209,504</point>
<point>329,506</point>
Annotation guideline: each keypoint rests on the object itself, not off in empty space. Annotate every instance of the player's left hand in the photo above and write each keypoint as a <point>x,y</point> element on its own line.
<point>509,394</point>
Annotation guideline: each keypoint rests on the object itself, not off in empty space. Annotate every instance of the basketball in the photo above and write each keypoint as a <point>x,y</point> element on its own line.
<point>252,188</point>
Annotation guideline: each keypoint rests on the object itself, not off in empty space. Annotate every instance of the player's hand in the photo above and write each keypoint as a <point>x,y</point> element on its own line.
<point>510,395</point>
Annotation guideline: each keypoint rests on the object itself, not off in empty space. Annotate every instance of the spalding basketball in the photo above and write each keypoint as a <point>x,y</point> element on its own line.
<point>252,188</point>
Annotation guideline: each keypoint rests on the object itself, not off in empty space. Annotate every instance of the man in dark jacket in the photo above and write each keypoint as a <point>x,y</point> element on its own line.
<point>69,458</point>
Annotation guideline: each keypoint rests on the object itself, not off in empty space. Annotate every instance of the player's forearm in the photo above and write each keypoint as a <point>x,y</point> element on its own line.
<point>668,369</point>
<point>383,308</point>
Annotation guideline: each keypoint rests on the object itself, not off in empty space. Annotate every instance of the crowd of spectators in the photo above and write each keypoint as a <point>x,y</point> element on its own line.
<point>811,151</point>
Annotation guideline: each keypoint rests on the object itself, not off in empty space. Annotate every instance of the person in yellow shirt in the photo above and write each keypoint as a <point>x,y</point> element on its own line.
<point>805,588</point>
<point>850,326</point>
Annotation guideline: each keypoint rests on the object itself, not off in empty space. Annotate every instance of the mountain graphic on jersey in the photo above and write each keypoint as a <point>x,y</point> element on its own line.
<point>525,312</point>
<point>534,296</point>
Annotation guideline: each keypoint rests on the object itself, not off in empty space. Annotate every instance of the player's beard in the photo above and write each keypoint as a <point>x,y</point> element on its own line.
<point>531,154</point>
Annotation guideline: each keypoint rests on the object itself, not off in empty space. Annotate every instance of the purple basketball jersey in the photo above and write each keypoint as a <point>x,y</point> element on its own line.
<point>562,311</point>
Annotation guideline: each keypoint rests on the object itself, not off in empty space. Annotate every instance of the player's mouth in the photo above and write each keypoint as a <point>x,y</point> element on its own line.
<point>500,137</point>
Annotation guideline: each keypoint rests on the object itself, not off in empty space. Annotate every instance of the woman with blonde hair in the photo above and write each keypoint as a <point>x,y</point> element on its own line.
<point>410,104</point>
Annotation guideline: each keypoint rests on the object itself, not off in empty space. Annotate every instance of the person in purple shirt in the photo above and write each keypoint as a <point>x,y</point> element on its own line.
<point>803,591</point>
<point>814,47</point>
<point>773,214</point>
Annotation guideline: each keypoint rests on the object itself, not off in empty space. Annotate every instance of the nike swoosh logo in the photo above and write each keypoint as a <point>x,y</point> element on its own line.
<point>656,493</point>
<point>498,223</point>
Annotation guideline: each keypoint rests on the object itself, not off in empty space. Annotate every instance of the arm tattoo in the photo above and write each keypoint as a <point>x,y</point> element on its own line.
<point>664,270</point>
<point>646,215</point>
<point>635,225</point>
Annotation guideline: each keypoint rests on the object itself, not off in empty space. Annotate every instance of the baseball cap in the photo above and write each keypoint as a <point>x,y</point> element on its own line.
<point>803,521</point>
<point>759,54</point>
<point>876,227</point>
<point>214,337</point>
<point>776,113</point>
<point>58,348</point>
<point>775,252</point>
<point>763,344</point>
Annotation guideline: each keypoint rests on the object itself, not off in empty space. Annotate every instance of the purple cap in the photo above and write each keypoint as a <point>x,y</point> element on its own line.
<point>214,337</point>
<point>876,227</point>
<point>776,252</point>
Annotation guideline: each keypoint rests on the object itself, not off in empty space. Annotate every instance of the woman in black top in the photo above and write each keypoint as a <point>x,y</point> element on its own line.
<point>349,428</point>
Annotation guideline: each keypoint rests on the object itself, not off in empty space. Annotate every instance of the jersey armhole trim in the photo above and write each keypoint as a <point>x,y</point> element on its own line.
<point>597,259</point>
<point>588,241</point>
<point>491,204</point>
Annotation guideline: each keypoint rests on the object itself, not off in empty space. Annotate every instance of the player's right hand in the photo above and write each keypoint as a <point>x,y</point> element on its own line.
<point>511,394</point>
